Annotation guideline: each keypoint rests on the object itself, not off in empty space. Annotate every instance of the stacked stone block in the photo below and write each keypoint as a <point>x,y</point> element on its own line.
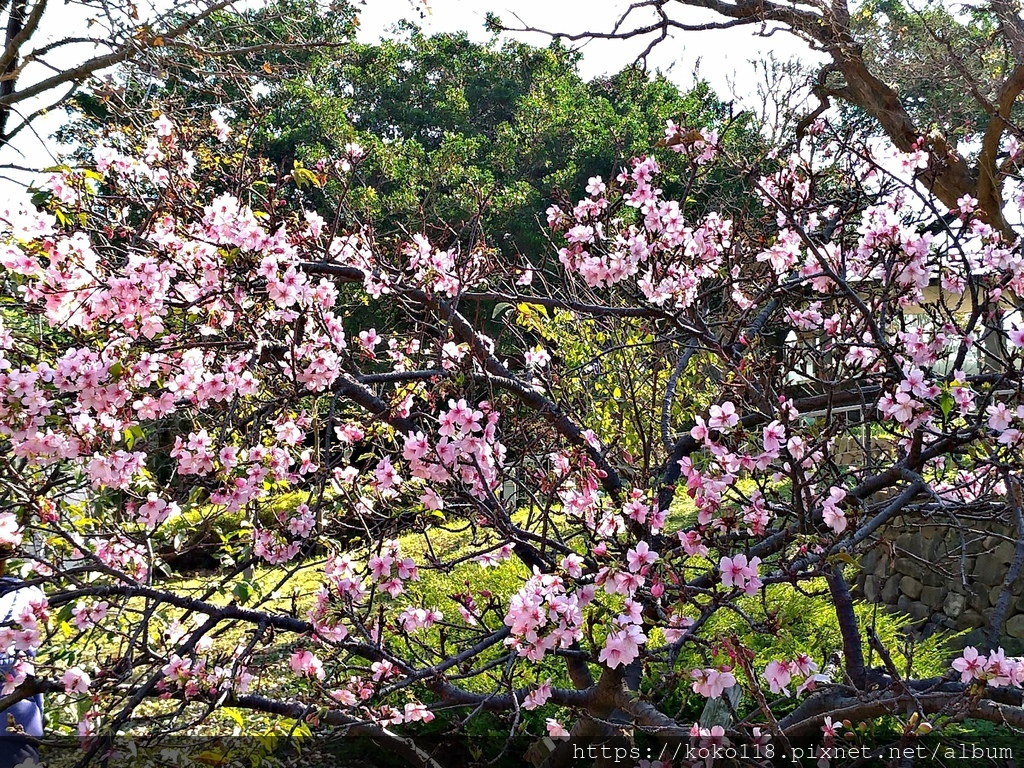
<point>945,577</point>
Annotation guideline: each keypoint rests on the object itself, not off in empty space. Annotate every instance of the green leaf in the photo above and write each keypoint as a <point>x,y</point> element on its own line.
<point>501,309</point>
<point>65,613</point>
<point>847,558</point>
<point>242,592</point>
<point>132,435</point>
<point>946,403</point>
<point>235,715</point>
<point>305,177</point>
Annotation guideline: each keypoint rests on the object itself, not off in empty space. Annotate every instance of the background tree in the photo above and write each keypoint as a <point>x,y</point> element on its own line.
<point>455,132</point>
<point>49,54</point>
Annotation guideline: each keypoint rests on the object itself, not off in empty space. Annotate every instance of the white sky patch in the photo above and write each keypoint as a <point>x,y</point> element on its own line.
<point>723,56</point>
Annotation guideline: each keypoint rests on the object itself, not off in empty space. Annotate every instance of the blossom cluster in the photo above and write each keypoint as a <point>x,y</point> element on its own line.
<point>994,669</point>
<point>543,616</point>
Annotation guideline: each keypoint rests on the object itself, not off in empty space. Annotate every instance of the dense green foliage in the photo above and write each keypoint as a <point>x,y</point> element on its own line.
<point>478,138</point>
<point>465,140</point>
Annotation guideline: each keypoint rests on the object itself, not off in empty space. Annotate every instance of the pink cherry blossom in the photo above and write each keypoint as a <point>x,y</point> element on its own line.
<point>76,680</point>
<point>723,417</point>
<point>556,730</point>
<point>10,531</point>
<point>712,683</point>
<point>416,712</point>
<point>538,697</point>
<point>573,564</point>
<point>305,663</point>
<point>737,572</point>
<point>970,664</point>
<point>641,556</point>
<point>778,676</point>
<point>538,357</point>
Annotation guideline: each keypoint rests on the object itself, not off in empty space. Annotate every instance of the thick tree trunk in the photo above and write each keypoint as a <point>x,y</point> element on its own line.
<point>15,23</point>
<point>947,175</point>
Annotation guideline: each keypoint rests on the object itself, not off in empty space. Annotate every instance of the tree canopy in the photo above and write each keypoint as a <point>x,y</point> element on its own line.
<point>458,132</point>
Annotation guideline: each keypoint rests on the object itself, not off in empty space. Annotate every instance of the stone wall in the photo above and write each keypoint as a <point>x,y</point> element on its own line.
<point>945,577</point>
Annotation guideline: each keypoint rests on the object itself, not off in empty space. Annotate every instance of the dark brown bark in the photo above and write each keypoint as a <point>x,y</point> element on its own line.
<point>15,26</point>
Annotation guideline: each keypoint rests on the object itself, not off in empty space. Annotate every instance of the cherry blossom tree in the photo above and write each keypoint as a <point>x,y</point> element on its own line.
<point>656,434</point>
<point>218,49</point>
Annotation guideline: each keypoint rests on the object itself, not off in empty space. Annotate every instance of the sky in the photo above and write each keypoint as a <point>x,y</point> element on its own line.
<point>720,56</point>
<point>723,55</point>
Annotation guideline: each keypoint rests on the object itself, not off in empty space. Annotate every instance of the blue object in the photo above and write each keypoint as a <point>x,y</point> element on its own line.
<point>27,713</point>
